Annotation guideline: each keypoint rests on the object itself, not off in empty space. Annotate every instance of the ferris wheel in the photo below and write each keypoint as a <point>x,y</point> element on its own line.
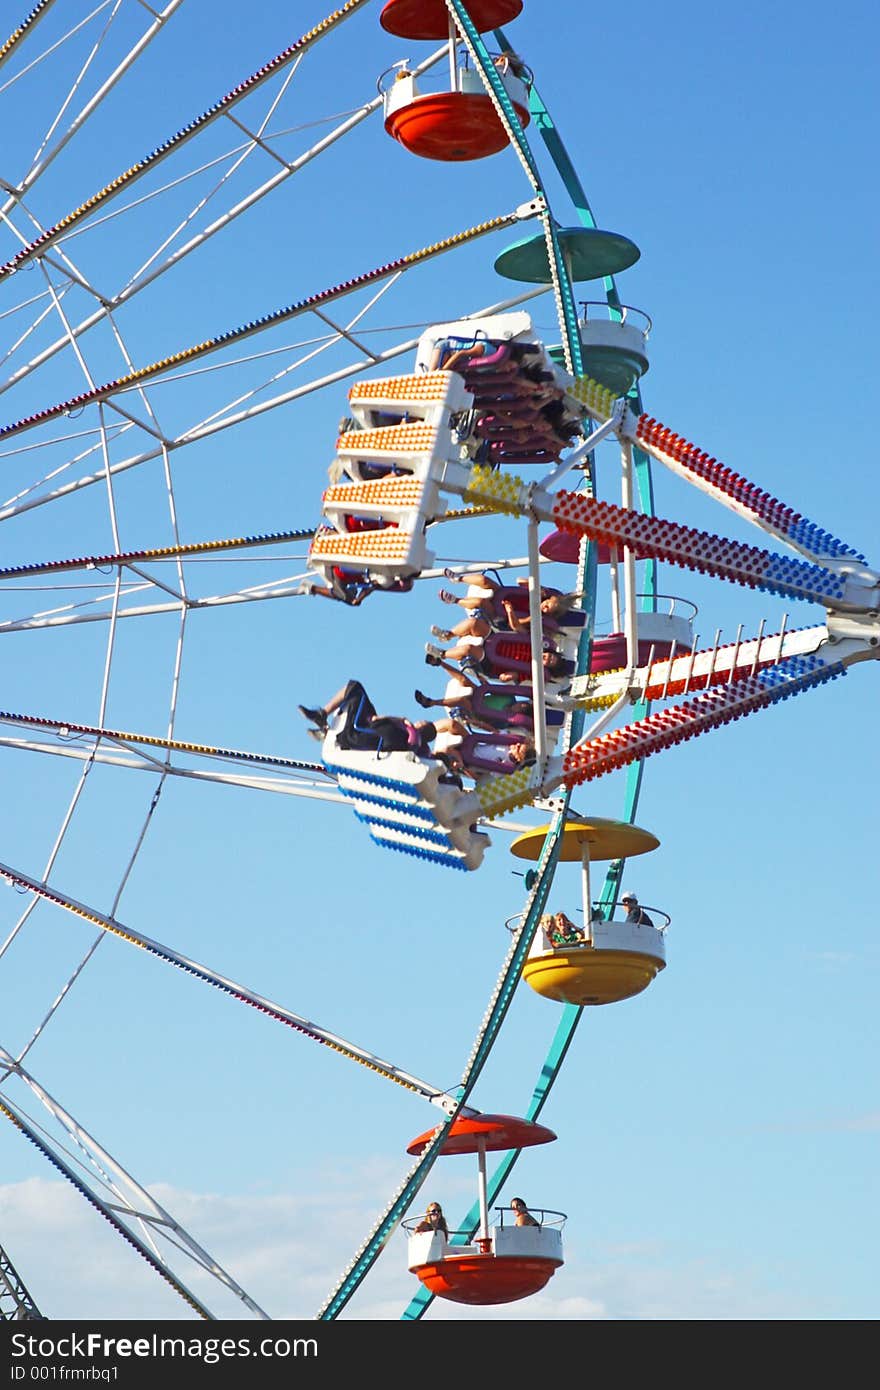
<point>204,414</point>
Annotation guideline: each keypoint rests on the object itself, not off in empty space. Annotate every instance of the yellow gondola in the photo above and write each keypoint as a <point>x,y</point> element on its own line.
<point>614,960</point>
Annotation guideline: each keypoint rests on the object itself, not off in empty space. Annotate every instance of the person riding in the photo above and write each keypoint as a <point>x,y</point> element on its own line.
<point>433,1220</point>
<point>364,730</point>
<point>493,601</point>
<point>522,1215</point>
<point>635,913</point>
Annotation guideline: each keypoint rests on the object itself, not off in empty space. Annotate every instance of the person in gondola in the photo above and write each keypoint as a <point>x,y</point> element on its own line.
<point>497,708</point>
<point>635,913</point>
<point>353,586</point>
<point>451,354</point>
<point>497,753</point>
<point>348,586</point>
<point>434,1220</point>
<point>364,730</point>
<point>522,1215</point>
<point>560,930</point>
<point>511,62</point>
<point>492,600</point>
<point>471,653</point>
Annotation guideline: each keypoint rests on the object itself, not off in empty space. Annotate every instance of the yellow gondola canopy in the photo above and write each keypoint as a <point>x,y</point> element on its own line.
<point>606,839</point>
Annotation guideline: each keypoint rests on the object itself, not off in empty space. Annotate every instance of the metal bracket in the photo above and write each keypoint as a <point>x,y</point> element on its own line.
<point>535,207</point>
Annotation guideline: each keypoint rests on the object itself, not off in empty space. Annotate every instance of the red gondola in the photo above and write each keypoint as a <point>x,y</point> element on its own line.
<point>450,126</point>
<point>505,1262</point>
<point>462,122</point>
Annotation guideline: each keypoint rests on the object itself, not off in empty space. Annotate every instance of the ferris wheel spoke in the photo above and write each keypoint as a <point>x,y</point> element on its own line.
<point>67,730</point>
<point>180,550</point>
<point>244,331</point>
<point>219,109</point>
<point>73,614</point>
<point>149,272</point>
<point>235,990</point>
<point>140,762</point>
<point>67,617</point>
<point>26,26</point>
<point>131,1206</point>
<point>48,152</point>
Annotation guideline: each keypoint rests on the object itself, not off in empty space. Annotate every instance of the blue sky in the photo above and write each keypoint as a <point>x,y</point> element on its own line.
<point>717,1135</point>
